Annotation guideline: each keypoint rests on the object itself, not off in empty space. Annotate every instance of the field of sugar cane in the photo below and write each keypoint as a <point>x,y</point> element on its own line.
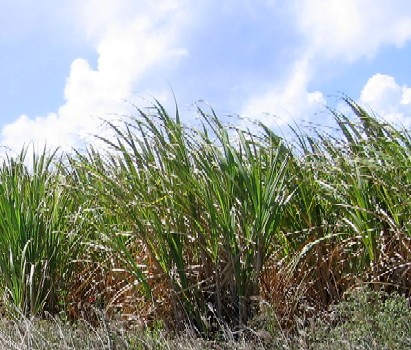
<point>207,228</point>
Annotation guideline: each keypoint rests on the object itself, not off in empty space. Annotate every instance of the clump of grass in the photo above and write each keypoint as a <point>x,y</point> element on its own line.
<point>38,232</point>
<point>204,211</point>
<point>55,333</point>
<point>348,222</point>
<point>200,223</point>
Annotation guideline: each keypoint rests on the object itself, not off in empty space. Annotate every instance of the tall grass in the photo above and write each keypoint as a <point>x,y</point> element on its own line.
<point>38,233</point>
<point>205,210</point>
<point>349,220</point>
<point>202,226</point>
<point>205,222</point>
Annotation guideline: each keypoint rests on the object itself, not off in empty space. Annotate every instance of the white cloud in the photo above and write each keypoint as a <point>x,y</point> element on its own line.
<point>50,128</point>
<point>288,102</point>
<point>388,99</point>
<point>134,38</point>
<point>128,47</point>
<point>351,29</point>
<point>344,30</point>
<point>96,17</point>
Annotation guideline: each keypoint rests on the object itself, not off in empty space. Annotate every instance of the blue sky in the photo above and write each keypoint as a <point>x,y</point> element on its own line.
<point>65,64</point>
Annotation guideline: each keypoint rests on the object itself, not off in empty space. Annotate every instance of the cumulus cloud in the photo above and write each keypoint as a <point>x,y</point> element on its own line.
<point>388,99</point>
<point>128,47</point>
<point>287,103</point>
<point>351,29</point>
<point>134,38</point>
<point>334,30</point>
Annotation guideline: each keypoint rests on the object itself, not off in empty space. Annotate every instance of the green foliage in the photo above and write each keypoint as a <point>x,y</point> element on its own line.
<point>38,237</point>
<point>206,211</point>
<point>198,217</point>
<point>366,320</point>
<point>349,218</point>
<point>184,225</point>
